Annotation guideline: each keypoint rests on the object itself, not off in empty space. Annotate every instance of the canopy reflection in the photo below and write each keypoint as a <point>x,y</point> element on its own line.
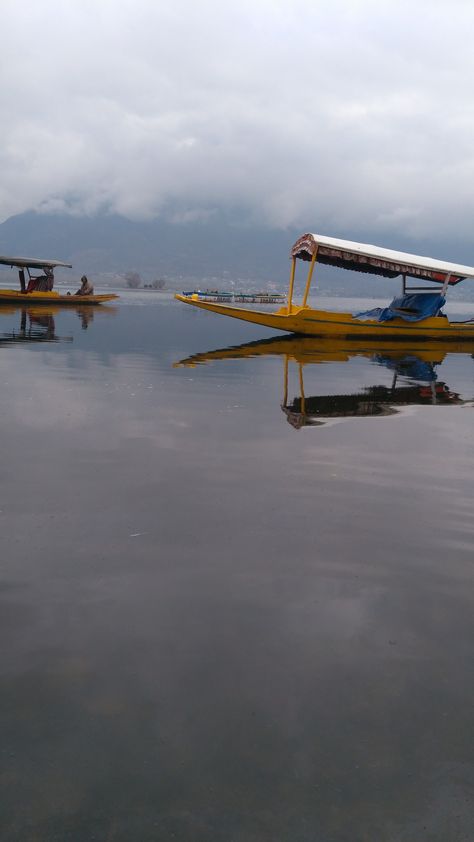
<point>414,382</point>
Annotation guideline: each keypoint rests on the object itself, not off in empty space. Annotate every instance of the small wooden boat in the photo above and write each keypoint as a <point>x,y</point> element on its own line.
<point>209,295</point>
<point>236,297</point>
<point>417,314</point>
<point>8,296</point>
<point>44,294</point>
<point>259,298</point>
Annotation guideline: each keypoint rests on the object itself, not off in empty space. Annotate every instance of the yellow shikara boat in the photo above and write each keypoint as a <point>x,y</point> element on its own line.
<point>45,294</point>
<point>416,314</point>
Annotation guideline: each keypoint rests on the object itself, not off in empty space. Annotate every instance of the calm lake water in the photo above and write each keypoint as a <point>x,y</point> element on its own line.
<point>237,583</point>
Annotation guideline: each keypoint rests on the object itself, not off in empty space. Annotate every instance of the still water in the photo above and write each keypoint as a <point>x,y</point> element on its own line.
<point>237,583</point>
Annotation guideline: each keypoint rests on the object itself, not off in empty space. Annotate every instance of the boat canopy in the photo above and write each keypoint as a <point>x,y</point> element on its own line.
<point>363,257</point>
<point>32,262</point>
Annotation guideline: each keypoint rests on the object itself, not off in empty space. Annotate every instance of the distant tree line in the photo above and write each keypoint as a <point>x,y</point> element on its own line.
<point>134,281</point>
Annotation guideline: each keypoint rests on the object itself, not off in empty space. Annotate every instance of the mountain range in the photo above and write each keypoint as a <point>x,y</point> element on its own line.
<point>111,244</point>
<point>222,251</point>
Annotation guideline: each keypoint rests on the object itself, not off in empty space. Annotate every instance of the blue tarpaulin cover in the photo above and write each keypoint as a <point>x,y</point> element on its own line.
<point>410,366</point>
<point>413,307</point>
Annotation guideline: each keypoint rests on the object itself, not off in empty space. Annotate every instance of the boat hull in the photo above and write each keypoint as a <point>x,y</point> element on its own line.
<point>309,322</point>
<point>13,296</point>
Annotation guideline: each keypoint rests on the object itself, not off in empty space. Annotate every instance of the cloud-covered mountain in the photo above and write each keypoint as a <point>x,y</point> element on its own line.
<point>224,249</point>
<point>113,244</point>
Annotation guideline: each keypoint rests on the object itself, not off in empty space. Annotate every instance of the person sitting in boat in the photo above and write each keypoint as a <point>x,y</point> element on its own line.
<point>42,283</point>
<point>86,287</point>
<point>49,279</point>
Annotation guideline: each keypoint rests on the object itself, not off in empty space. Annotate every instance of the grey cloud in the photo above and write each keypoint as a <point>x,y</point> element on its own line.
<point>353,115</point>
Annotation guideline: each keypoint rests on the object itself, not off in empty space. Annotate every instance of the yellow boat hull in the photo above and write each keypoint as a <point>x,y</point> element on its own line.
<point>309,322</point>
<point>13,296</point>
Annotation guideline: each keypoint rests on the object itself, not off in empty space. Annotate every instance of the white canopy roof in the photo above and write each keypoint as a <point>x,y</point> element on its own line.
<point>380,261</point>
<point>32,262</point>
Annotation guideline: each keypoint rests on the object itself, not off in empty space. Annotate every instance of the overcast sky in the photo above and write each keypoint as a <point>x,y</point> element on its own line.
<point>326,115</point>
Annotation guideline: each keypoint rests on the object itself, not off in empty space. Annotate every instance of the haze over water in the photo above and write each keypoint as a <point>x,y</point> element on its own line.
<point>236,603</point>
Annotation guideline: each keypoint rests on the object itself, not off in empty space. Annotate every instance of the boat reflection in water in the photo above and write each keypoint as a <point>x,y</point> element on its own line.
<point>34,325</point>
<point>38,324</point>
<point>372,400</point>
<point>414,379</point>
<point>86,315</point>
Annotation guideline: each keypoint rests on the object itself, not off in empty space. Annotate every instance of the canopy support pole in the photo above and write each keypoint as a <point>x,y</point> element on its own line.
<point>292,283</point>
<point>302,394</point>
<point>285,382</point>
<point>310,276</point>
<point>446,284</point>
